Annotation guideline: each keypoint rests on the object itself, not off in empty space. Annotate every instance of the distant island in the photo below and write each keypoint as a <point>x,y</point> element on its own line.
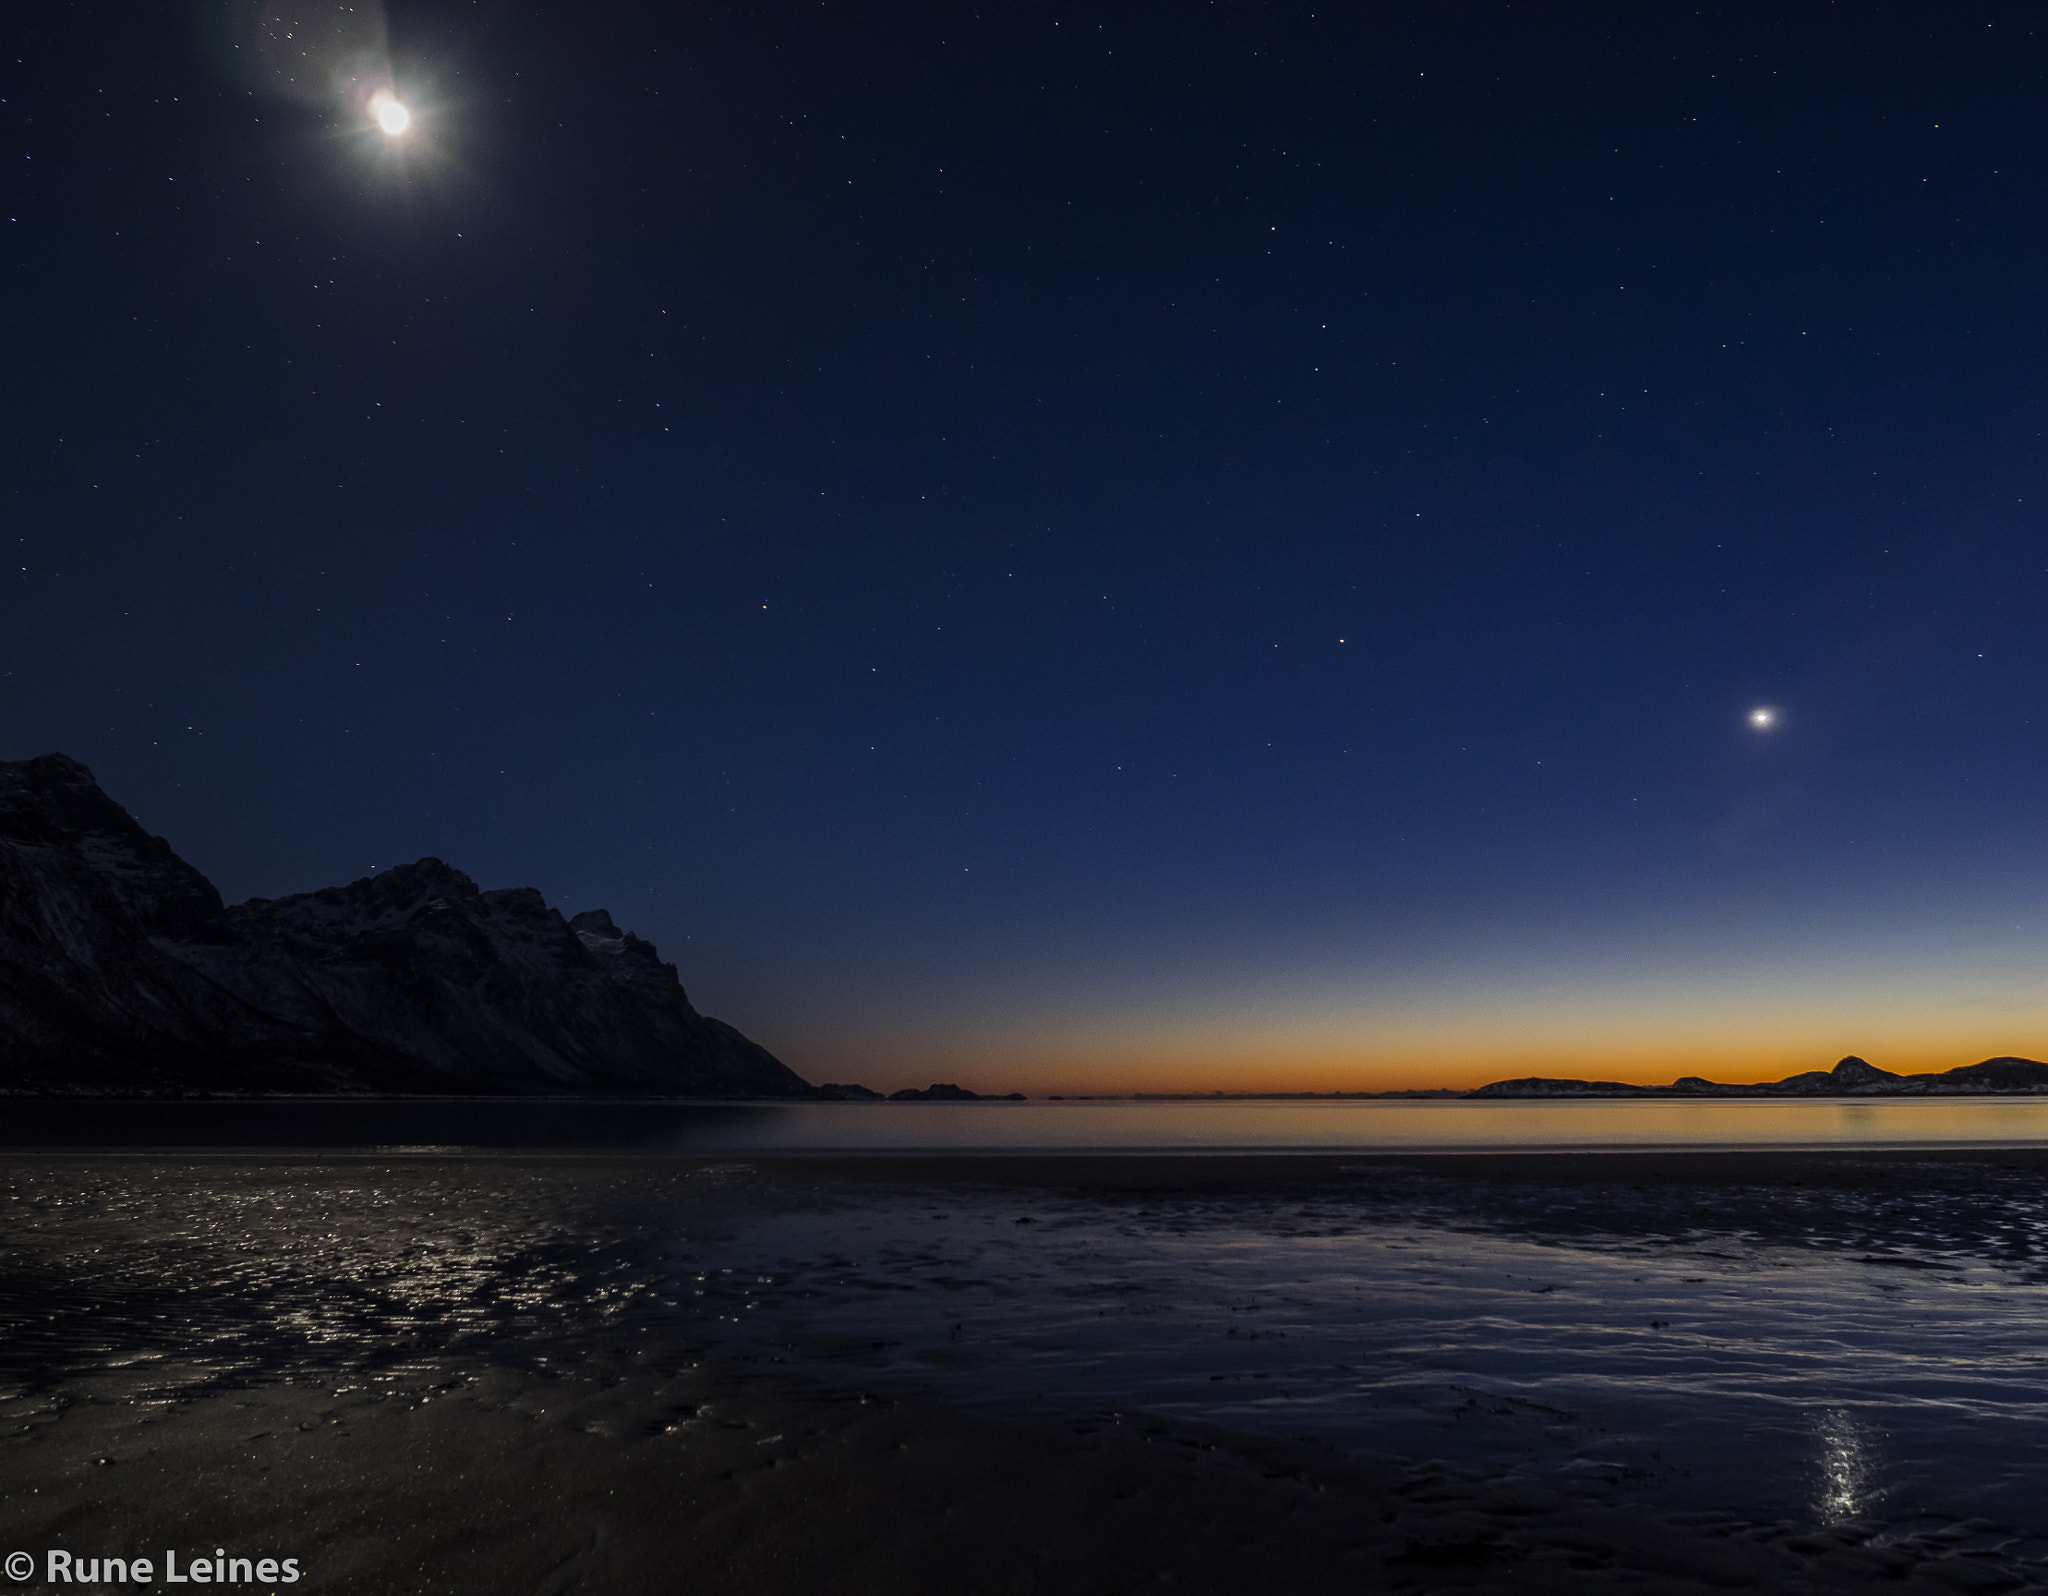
<point>123,973</point>
<point>1852,1077</point>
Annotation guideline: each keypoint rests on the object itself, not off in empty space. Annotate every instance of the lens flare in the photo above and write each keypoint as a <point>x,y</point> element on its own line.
<point>388,113</point>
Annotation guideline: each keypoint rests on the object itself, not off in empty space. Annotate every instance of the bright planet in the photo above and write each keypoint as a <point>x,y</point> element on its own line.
<point>1763,719</point>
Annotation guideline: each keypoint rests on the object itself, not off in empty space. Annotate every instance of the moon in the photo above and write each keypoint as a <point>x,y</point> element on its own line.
<point>1763,719</point>
<point>388,113</point>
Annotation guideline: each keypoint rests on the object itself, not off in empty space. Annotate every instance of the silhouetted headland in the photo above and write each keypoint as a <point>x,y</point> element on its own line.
<point>122,972</point>
<point>1852,1077</point>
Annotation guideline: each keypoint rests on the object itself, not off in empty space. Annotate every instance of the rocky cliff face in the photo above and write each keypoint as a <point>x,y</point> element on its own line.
<point>122,971</point>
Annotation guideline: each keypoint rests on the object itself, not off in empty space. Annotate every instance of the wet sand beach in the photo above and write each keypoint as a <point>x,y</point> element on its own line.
<point>534,1372</point>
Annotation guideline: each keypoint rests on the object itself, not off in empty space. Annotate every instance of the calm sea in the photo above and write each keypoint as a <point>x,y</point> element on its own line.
<point>1444,1125</point>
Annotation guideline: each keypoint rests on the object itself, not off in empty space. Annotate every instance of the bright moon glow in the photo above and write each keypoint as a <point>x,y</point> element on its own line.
<point>388,114</point>
<point>1763,719</point>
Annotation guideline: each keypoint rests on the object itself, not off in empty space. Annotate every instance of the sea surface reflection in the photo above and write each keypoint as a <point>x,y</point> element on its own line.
<point>1445,1125</point>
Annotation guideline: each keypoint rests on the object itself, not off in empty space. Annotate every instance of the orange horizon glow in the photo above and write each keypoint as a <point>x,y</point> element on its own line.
<point>1117,1074</point>
<point>1107,1055</point>
<point>1739,1018</point>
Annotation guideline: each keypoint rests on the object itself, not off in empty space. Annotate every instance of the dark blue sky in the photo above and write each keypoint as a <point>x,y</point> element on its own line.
<point>1121,546</point>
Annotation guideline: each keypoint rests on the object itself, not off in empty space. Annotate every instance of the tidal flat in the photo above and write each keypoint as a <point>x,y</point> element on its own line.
<point>558,1371</point>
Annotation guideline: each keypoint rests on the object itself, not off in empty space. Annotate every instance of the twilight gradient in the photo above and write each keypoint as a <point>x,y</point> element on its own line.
<point>1122,549</point>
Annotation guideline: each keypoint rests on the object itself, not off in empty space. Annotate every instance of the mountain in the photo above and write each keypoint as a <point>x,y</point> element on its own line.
<point>122,972</point>
<point>1852,1077</point>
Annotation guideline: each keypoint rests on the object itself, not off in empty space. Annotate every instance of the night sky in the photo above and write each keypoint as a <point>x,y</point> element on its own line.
<point>1075,547</point>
